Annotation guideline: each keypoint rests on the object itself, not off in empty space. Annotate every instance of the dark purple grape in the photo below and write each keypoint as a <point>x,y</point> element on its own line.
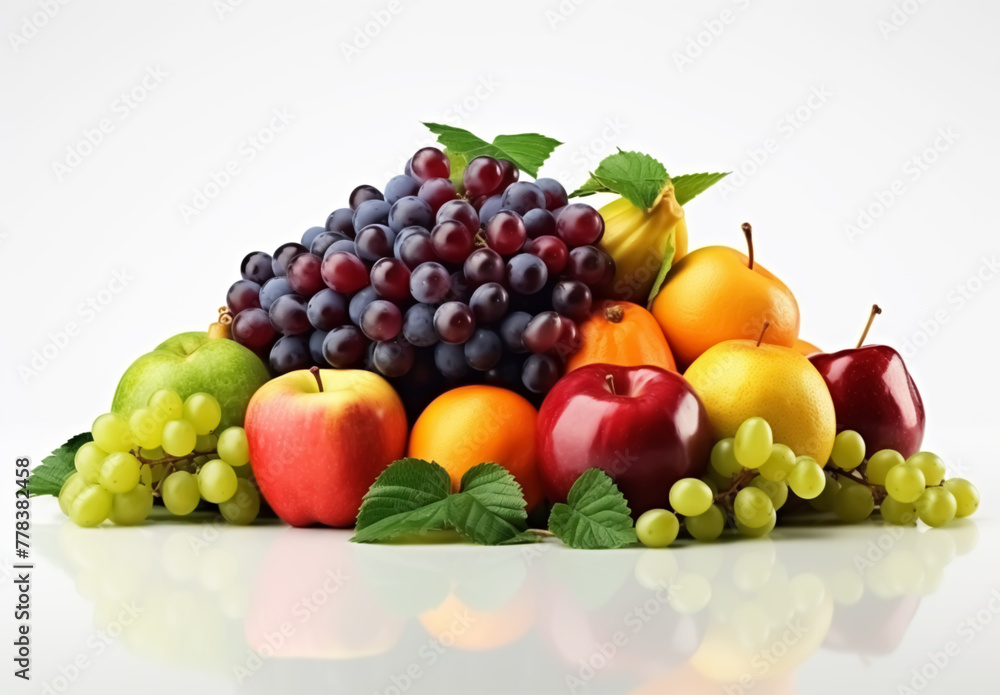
<point>374,242</point>
<point>290,354</point>
<point>252,328</point>
<point>345,347</point>
<point>454,322</point>
<point>430,163</point>
<point>512,330</point>
<point>437,192</point>
<point>391,279</point>
<point>579,225</point>
<point>452,242</point>
<point>257,267</point>
<point>484,265</point>
<point>359,302</point>
<point>510,175</point>
<point>526,274</point>
<point>572,299</point>
<point>570,339</point>
<point>400,187</point>
<point>288,315</point>
<point>429,283</point>
<point>416,248</point>
<point>460,291</point>
<point>316,340</point>
<point>540,373</point>
<point>553,253</point>
<point>450,360</point>
<point>505,233</point>
<point>341,246</point>
<point>381,320</point>
<point>304,274</point>
<point>324,241</point>
<point>522,197</point>
<point>393,358</point>
<point>539,222</point>
<point>310,235</point>
<point>542,332</point>
<point>483,350</point>
<point>418,325</point>
<point>489,303</point>
<point>555,194</point>
<point>272,289</point>
<point>343,272</point>
<point>482,176</point>
<point>341,220</point>
<point>242,294</point>
<point>283,255</point>
<point>459,211</point>
<point>410,211</point>
<point>589,265</point>
<point>371,212</point>
<point>489,208</point>
<point>362,194</point>
<point>327,310</point>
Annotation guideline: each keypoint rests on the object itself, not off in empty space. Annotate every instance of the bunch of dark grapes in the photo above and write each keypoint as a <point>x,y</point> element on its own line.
<point>429,285</point>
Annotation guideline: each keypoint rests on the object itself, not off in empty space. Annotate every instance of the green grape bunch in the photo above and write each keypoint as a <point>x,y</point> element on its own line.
<point>169,450</point>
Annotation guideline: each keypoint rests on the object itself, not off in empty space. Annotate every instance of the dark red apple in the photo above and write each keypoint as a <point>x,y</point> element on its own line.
<point>874,395</point>
<point>643,426</point>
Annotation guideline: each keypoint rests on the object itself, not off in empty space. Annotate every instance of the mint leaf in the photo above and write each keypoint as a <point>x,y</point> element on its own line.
<point>595,515</point>
<point>490,508</point>
<point>632,175</point>
<point>686,187</point>
<point>668,261</point>
<point>528,150</point>
<point>48,477</point>
<point>397,502</point>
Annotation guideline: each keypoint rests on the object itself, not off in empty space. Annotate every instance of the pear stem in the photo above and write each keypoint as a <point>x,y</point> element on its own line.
<point>871,317</point>
<point>748,233</point>
<point>763,330</point>
<point>611,384</point>
<point>319,382</point>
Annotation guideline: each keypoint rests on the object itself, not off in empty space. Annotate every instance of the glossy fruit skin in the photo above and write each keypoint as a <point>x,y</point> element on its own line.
<point>651,432</point>
<point>316,454</point>
<point>633,340</point>
<point>805,347</point>
<point>874,394</point>
<point>711,295</point>
<point>737,379</point>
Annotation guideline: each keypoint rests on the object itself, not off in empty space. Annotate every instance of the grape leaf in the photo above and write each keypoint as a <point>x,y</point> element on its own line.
<point>665,266</point>
<point>490,508</point>
<point>688,186</point>
<point>595,516</point>
<point>632,175</point>
<point>527,150</point>
<point>48,477</point>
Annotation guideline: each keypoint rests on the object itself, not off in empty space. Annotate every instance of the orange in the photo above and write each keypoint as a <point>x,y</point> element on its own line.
<point>624,334</point>
<point>805,347</point>
<point>478,424</point>
<point>453,623</point>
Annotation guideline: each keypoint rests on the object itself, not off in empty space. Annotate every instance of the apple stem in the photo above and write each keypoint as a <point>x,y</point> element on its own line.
<point>876,310</point>
<point>611,384</point>
<point>763,330</point>
<point>748,233</point>
<point>614,313</point>
<point>319,382</point>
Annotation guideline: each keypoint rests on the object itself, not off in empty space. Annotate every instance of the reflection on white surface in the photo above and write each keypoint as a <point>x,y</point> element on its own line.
<point>315,610</point>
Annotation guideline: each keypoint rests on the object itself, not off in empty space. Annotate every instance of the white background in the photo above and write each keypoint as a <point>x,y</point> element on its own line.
<point>704,86</point>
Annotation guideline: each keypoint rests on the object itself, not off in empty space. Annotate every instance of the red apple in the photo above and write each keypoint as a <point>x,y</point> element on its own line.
<point>319,438</point>
<point>644,426</point>
<point>874,395</point>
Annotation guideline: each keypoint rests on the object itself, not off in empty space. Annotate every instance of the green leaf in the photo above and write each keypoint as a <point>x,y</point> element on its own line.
<point>48,477</point>
<point>665,266</point>
<point>632,175</point>
<point>405,488</point>
<point>490,508</point>
<point>458,163</point>
<point>590,188</point>
<point>686,187</point>
<point>433,517</point>
<point>595,515</point>
<point>528,150</point>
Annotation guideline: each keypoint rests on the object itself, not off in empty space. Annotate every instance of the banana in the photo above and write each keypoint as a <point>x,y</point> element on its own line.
<point>636,239</point>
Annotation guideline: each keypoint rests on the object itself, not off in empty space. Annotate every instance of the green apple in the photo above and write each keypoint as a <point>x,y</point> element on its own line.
<point>193,362</point>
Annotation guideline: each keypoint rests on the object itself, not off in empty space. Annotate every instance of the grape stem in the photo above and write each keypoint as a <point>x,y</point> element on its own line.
<point>739,482</point>
<point>859,477</point>
<point>748,233</point>
<point>169,461</point>
<point>876,310</point>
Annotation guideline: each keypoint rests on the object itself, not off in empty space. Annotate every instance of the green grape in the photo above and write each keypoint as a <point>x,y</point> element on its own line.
<point>848,450</point>
<point>217,481</point>
<point>90,507</point>
<point>132,507</point>
<point>120,472</point>
<point>166,405</point>
<point>180,493</point>
<point>724,460</point>
<point>690,497</point>
<point>823,502</point>
<point>88,461</point>
<point>966,496</point>
<point>657,528</point>
<point>930,465</point>
<point>202,411</point>
<point>707,526</point>
<point>146,428</point>
<point>243,472</point>
<point>179,437</point>
<point>206,442</point>
<point>880,463</point>
<point>777,492</point>
<point>807,479</point>
<point>152,454</point>
<point>757,531</point>
<point>233,447</point>
<point>905,483</point>
<point>936,507</point>
<point>156,471</point>
<point>243,507</point>
<point>145,475</point>
<point>853,503</point>
<point>111,433</point>
<point>752,507</point>
<point>752,443</point>
<point>779,464</point>
<point>69,490</point>
<point>712,485</point>
<point>896,512</point>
